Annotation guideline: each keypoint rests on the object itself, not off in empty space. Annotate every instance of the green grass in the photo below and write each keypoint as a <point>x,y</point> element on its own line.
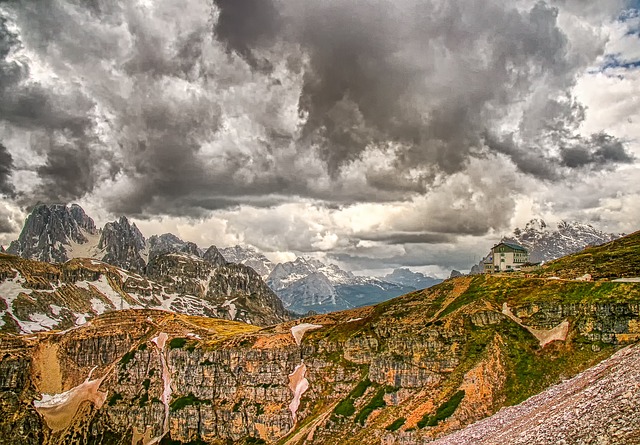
<point>177,343</point>
<point>396,424</point>
<point>444,411</point>
<point>377,401</point>
<point>127,357</point>
<point>346,406</point>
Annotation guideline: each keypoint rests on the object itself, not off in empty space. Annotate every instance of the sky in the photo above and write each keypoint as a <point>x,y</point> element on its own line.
<point>371,133</point>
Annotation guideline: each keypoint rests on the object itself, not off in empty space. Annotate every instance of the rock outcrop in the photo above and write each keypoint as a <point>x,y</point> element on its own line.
<point>36,296</point>
<point>123,245</point>
<point>50,232</point>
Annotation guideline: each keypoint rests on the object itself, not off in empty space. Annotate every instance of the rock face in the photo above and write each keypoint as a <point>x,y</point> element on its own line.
<point>36,296</point>
<point>307,284</point>
<point>235,290</point>
<point>411,370</point>
<point>545,243</point>
<point>123,245</point>
<point>51,232</point>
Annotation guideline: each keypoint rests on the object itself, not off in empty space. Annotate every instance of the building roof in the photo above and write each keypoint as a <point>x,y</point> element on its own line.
<point>511,245</point>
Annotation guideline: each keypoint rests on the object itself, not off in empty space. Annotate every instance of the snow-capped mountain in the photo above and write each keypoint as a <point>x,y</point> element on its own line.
<point>407,277</point>
<point>248,256</point>
<point>546,243</point>
<point>186,278</point>
<point>308,284</point>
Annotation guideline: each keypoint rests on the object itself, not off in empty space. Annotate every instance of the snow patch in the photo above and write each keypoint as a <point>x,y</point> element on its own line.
<point>298,331</point>
<point>160,341</point>
<point>298,384</point>
<point>544,336</point>
<point>59,410</point>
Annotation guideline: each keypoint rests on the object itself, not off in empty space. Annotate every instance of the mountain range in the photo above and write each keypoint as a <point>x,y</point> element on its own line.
<point>66,271</point>
<point>547,359</point>
<point>58,233</point>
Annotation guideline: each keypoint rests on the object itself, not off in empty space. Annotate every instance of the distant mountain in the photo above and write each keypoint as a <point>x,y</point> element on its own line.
<point>407,277</point>
<point>248,256</point>
<point>545,243</point>
<point>52,233</point>
<point>198,282</point>
<point>307,284</point>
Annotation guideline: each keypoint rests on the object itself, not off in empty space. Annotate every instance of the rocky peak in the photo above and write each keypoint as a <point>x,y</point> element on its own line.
<point>213,256</point>
<point>122,244</point>
<point>168,242</point>
<point>50,231</point>
<point>544,243</point>
<point>248,256</point>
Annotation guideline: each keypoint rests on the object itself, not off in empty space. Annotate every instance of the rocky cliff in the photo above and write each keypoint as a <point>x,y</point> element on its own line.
<point>52,232</point>
<point>122,245</point>
<point>37,296</point>
<point>406,371</point>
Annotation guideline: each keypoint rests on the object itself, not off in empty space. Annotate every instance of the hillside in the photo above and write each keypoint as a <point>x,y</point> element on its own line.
<point>406,371</point>
<point>37,296</point>
<point>616,259</point>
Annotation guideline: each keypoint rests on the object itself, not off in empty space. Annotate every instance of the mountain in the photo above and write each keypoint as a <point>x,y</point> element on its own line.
<point>407,277</point>
<point>307,284</point>
<point>248,256</point>
<point>37,296</point>
<point>53,232</point>
<point>545,243</point>
<point>121,244</point>
<point>407,371</point>
<point>182,277</point>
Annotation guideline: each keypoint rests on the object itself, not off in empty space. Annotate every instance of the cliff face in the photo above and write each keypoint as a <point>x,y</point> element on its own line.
<point>51,232</point>
<point>36,296</point>
<point>403,372</point>
<point>123,245</point>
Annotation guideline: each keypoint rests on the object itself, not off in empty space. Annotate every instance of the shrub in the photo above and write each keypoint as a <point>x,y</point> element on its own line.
<point>396,424</point>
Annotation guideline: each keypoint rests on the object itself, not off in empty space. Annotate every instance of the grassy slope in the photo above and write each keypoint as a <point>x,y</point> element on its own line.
<point>528,368</point>
<point>615,259</point>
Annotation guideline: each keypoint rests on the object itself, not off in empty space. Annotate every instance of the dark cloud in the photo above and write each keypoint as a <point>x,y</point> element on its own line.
<point>6,164</point>
<point>600,150</point>
<point>191,107</point>
<point>246,24</point>
<point>408,238</point>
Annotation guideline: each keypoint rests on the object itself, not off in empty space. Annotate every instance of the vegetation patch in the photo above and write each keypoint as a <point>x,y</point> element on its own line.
<point>187,400</point>
<point>396,424</point>
<point>114,398</point>
<point>127,357</point>
<point>377,401</point>
<point>444,410</point>
<point>346,407</point>
<point>177,343</point>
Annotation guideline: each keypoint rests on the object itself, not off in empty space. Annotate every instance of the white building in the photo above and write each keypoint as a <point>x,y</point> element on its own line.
<point>505,257</point>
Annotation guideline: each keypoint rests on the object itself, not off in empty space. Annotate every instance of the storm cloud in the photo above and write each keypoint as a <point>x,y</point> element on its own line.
<point>187,108</point>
